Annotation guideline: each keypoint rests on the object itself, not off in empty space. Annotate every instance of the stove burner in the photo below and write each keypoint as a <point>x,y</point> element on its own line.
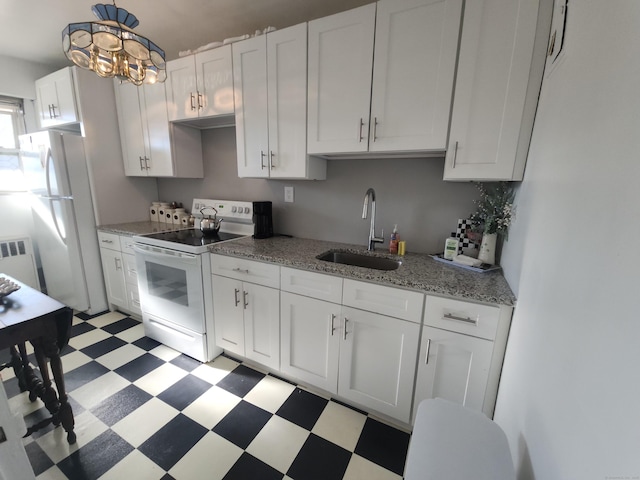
<point>192,237</point>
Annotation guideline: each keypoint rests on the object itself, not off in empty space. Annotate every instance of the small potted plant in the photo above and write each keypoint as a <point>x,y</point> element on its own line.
<point>494,214</point>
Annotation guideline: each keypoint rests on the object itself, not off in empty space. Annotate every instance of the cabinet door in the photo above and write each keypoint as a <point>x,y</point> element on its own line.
<point>250,89</point>
<point>453,366</point>
<point>376,347</point>
<point>415,55</point>
<point>228,314</point>
<point>132,132</point>
<point>490,133</point>
<point>287,101</point>
<point>182,89</point>
<point>310,340</point>
<point>56,99</point>
<point>340,66</point>
<point>113,270</point>
<point>153,104</point>
<point>215,82</point>
<point>262,324</point>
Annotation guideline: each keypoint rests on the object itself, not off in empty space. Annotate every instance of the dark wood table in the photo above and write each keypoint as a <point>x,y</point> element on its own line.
<point>29,315</point>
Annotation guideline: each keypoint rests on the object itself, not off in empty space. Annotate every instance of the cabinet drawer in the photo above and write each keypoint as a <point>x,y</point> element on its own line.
<point>126,244</point>
<point>246,270</point>
<point>109,240</point>
<point>311,284</point>
<point>463,317</point>
<point>394,302</point>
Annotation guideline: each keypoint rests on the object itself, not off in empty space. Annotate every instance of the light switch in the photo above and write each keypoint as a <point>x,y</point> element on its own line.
<point>288,194</point>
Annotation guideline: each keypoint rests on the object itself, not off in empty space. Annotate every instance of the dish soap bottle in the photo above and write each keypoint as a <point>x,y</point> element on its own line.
<point>393,241</point>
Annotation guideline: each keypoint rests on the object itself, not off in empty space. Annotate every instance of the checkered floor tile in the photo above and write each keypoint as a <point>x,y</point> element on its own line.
<point>143,410</point>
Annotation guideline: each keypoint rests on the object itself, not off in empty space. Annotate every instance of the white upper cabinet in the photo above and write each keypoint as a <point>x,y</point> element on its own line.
<point>201,85</point>
<point>270,84</point>
<point>496,92</point>
<point>396,99</point>
<point>340,66</point>
<point>415,59</point>
<point>55,99</point>
<point>151,146</point>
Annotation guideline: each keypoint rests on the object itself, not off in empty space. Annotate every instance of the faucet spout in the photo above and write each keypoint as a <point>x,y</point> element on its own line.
<point>370,196</point>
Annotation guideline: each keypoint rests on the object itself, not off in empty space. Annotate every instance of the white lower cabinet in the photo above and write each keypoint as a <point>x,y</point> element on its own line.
<point>246,315</point>
<point>119,270</point>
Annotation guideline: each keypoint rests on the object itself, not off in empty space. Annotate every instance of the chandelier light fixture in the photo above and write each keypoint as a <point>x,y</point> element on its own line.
<point>110,48</point>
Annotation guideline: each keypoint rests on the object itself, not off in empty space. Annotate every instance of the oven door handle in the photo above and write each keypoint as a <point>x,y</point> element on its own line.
<point>157,252</point>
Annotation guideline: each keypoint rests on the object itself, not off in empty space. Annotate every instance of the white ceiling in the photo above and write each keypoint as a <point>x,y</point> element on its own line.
<point>31,29</point>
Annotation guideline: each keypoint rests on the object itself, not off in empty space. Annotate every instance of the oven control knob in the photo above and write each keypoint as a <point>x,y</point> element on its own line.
<point>234,209</point>
<point>246,209</point>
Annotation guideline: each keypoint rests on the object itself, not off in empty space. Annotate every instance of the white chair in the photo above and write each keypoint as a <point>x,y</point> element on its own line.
<point>451,442</point>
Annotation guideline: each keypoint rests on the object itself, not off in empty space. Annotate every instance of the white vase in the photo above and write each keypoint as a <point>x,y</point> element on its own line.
<point>488,248</point>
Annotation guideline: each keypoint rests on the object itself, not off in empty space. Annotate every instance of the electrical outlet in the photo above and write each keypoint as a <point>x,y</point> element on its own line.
<point>288,194</point>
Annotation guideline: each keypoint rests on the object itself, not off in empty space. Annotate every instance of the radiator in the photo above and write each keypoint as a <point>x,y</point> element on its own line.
<point>17,260</point>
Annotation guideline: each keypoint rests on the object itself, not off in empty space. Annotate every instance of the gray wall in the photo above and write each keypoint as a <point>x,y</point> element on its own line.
<point>410,192</point>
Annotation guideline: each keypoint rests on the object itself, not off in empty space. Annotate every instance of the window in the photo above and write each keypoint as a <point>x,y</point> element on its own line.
<point>11,178</point>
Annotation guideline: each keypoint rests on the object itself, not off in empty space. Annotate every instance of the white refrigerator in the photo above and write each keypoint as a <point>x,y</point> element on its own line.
<point>65,234</point>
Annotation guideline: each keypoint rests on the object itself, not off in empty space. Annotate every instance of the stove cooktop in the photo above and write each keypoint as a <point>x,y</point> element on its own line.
<point>189,240</point>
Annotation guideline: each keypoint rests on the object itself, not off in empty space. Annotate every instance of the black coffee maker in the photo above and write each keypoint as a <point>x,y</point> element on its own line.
<point>262,220</point>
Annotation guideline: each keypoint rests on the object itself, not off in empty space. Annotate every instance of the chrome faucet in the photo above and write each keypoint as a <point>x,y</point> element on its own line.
<point>371,194</point>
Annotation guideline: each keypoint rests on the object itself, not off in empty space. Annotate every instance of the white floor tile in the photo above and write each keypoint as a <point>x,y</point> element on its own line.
<point>94,336</point>
<point>106,319</point>
<point>135,465</point>
<point>216,370</point>
<point>340,425</point>
<point>160,379</point>
<point>120,356</point>
<point>53,473</point>
<point>165,353</point>
<point>288,437</point>
<point>211,407</point>
<point>74,360</point>
<point>21,403</point>
<point>143,422</point>
<point>211,457</point>
<point>131,334</point>
<point>92,393</point>
<point>270,393</point>
<point>360,468</point>
<point>54,443</point>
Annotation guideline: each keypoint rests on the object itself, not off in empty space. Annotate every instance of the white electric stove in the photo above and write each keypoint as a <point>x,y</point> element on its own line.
<point>174,278</point>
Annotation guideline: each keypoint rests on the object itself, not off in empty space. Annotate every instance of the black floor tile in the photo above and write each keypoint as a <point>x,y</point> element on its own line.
<point>39,460</point>
<point>114,408</point>
<point>139,367</point>
<point>92,460</point>
<point>120,325</point>
<point>102,347</point>
<point>319,459</point>
<point>169,444</point>
<point>249,466</point>
<point>383,445</point>
<point>241,425</point>
<point>82,375</point>
<point>302,408</point>
<point>146,343</point>
<point>66,350</point>
<point>186,363</point>
<point>182,393</point>
<point>241,380</point>
<point>11,387</point>
<point>80,328</point>
<point>86,316</point>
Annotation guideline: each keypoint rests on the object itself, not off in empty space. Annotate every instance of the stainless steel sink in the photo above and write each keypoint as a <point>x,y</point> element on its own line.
<point>359,260</point>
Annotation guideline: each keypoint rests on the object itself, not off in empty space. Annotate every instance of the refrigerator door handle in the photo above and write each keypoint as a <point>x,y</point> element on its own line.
<point>47,164</point>
<point>55,220</point>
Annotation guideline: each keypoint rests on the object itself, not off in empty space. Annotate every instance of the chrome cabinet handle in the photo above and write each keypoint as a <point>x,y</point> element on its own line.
<point>332,319</point>
<point>200,101</point>
<point>193,98</point>
<point>118,265</point>
<point>262,155</point>
<point>455,155</point>
<point>426,357</point>
<point>241,270</point>
<point>375,128</point>
<point>50,116</point>
<point>107,241</point>
<point>449,316</point>
<point>141,165</point>
<point>271,155</point>
<point>360,130</point>
<point>53,109</point>
<point>236,292</point>
<point>146,162</point>
<point>245,294</point>
<point>346,320</point>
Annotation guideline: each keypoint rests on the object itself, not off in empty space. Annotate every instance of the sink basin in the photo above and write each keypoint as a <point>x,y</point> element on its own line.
<point>359,260</point>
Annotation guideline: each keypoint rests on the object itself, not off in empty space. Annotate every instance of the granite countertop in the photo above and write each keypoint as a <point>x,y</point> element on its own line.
<point>418,271</point>
<point>140,228</point>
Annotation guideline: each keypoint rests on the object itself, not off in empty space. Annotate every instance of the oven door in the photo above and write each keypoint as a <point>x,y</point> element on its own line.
<point>170,284</point>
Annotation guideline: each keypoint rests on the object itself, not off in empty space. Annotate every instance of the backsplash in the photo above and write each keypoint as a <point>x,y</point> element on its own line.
<point>409,192</point>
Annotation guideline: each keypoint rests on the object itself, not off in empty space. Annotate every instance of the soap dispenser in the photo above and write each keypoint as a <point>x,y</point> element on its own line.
<point>393,241</point>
